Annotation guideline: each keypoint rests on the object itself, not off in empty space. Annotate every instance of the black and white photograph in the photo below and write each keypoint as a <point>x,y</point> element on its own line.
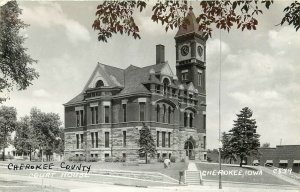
<point>149,95</point>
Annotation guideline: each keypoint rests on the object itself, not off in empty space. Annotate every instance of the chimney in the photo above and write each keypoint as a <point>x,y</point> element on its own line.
<point>160,54</point>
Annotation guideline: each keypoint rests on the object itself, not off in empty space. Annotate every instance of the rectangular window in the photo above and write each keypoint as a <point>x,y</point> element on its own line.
<point>163,139</point>
<point>77,141</point>
<point>106,114</point>
<point>77,119</point>
<point>199,79</point>
<point>184,75</point>
<point>204,121</point>
<point>124,112</point>
<point>81,141</point>
<point>157,138</point>
<point>96,114</point>
<point>124,138</point>
<point>96,135</point>
<point>93,141</point>
<point>142,111</point>
<point>107,139</point>
<point>169,139</point>
<point>93,115</point>
<point>81,118</point>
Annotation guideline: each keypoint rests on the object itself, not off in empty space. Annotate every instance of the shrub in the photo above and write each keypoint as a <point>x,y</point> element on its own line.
<point>123,159</point>
<point>117,159</point>
<point>182,160</point>
<point>25,158</point>
<point>173,159</point>
<point>91,159</point>
<point>108,159</point>
<point>160,160</point>
<point>10,157</point>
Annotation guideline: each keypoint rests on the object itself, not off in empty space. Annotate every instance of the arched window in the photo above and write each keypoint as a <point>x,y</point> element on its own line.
<point>99,83</point>
<point>169,114</point>
<point>164,113</point>
<point>185,119</point>
<point>191,119</point>
<point>157,113</point>
<point>166,83</point>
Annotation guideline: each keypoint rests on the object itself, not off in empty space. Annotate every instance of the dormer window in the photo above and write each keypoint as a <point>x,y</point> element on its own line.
<point>184,75</point>
<point>166,83</point>
<point>99,83</point>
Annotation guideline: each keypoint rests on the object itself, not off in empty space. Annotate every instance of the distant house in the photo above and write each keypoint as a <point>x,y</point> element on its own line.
<point>104,120</point>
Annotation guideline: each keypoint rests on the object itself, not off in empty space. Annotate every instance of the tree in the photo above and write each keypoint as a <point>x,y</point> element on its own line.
<point>15,63</point>
<point>244,139</point>
<point>8,119</point>
<point>25,141</point>
<point>114,17</point>
<point>46,130</point>
<point>265,145</point>
<point>227,149</point>
<point>146,143</point>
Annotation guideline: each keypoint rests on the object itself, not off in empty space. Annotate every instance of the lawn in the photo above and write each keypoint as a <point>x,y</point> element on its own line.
<point>243,174</point>
<point>12,186</point>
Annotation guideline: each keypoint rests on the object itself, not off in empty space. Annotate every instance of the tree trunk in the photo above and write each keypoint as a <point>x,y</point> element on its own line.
<point>230,160</point>
<point>3,153</point>
<point>29,153</point>
<point>241,163</point>
<point>146,159</point>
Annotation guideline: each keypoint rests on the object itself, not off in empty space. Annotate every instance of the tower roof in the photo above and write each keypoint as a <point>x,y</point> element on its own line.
<point>191,26</point>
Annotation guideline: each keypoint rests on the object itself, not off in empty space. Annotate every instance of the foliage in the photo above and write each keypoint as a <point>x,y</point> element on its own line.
<point>173,159</point>
<point>25,140</point>
<point>79,158</point>
<point>146,143</point>
<point>10,157</point>
<point>118,16</point>
<point>265,145</point>
<point>227,151</point>
<point>244,139</point>
<point>8,120</point>
<point>15,63</point>
<point>46,129</point>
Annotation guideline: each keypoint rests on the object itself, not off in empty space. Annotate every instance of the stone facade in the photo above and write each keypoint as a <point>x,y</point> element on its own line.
<point>105,118</point>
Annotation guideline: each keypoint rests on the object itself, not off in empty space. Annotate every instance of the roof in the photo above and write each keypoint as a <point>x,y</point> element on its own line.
<point>131,79</point>
<point>190,25</point>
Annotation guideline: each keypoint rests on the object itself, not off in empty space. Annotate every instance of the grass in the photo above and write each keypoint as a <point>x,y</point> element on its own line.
<point>264,178</point>
<point>23,186</point>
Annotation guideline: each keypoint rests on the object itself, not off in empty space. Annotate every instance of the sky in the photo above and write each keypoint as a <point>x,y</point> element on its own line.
<point>260,69</point>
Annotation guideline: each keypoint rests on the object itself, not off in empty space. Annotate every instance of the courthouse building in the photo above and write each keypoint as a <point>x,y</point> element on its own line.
<point>105,118</point>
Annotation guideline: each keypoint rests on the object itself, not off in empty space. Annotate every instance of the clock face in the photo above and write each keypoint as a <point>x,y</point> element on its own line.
<point>200,50</point>
<point>184,50</point>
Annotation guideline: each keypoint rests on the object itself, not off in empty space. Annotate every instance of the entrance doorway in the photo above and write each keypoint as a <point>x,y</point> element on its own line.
<point>189,150</point>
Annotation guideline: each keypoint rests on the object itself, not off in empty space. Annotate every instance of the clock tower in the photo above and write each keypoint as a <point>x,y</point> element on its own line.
<point>191,53</point>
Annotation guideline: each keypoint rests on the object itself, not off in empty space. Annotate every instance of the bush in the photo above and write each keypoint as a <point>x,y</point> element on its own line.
<point>25,158</point>
<point>91,159</point>
<point>108,159</point>
<point>76,158</point>
<point>117,159</point>
<point>160,160</point>
<point>10,157</point>
<point>182,160</point>
<point>173,159</point>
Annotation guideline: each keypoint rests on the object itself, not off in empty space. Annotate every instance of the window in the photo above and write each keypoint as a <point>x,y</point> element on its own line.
<point>157,87</point>
<point>157,113</point>
<point>204,142</point>
<point>142,111</point>
<point>77,141</point>
<point>169,139</point>
<point>124,112</point>
<point>184,75</point>
<point>124,138</point>
<point>94,111</point>
<point>185,119</point>
<point>163,139</point>
<point>124,155</point>
<point>164,113</point>
<point>77,119</point>
<point>99,83</point>
<point>199,79</point>
<point>96,135</point>
<point>157,138</point>
<point>106,155</point>
<point>93,141</point>
<point>81,140</point>
<point>106,139</point>
<point>191,120</point>
<point>81,118</point>
<point>204,121</point>
<point>106,114</point>
<point>166,83</point>
<point>169,114</point>
<point>96,155</point>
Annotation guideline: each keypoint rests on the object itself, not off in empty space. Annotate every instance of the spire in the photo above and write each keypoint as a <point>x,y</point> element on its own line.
<point>191,25</point>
